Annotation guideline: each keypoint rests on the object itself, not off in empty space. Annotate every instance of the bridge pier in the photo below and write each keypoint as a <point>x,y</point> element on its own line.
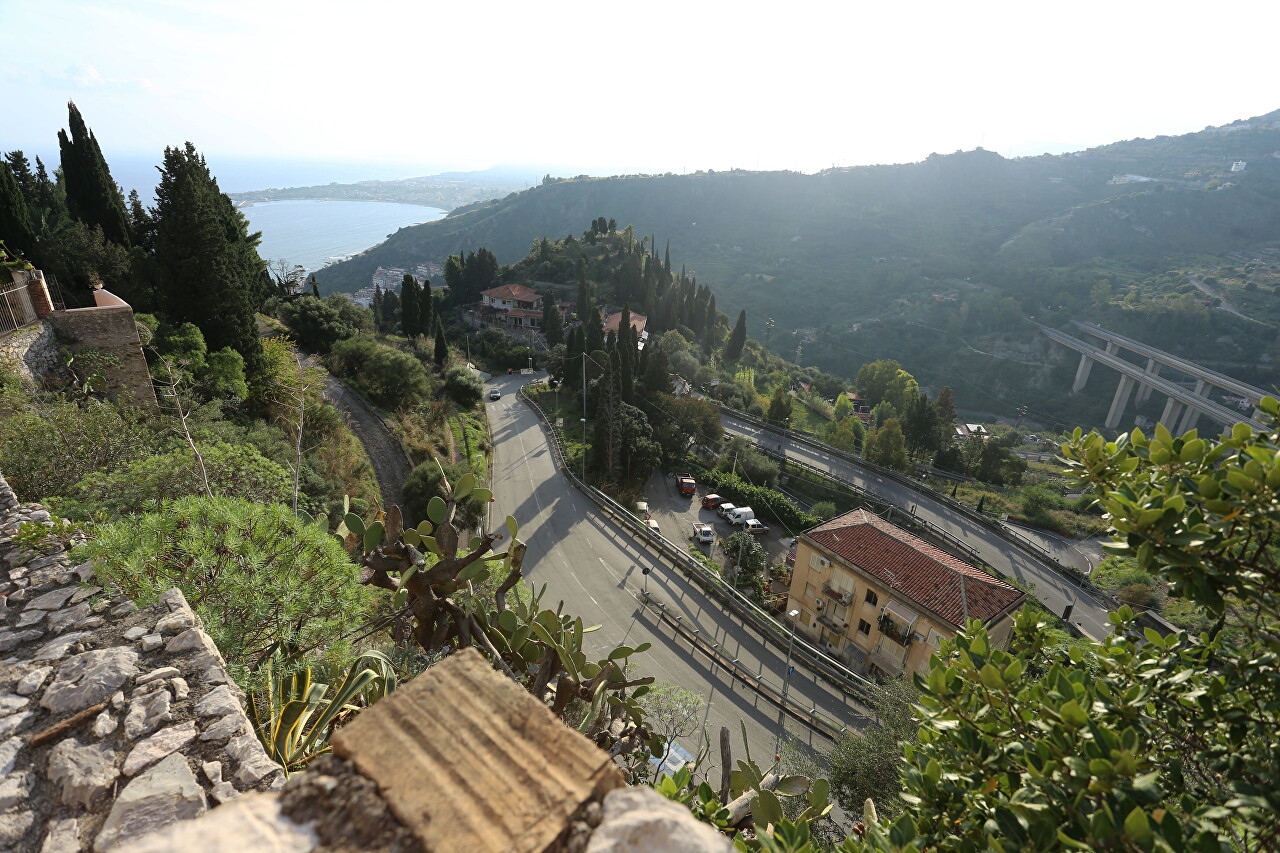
<point>1082,373</point>
<point>1172,409</point>
<point>1144,391</point>
<point>1192,415</point>
<point>1119,401</point>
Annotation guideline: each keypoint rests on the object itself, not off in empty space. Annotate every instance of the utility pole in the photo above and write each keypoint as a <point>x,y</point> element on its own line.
<point>786,683</point>
<point>1022,413</point>
<point>768,331</point>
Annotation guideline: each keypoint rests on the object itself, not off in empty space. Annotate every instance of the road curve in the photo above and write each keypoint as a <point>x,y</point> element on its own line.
<point>595,567</point>
<point>386,455</point>
<point>1053,589</point>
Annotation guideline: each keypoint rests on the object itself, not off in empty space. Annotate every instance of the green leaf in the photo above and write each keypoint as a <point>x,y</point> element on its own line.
<point>793,786</point>
<point>766,809</point>
<point>512,526</point>
<point>466,484</point>
<point>1137,826</point>
<point>412,537</point>
<point>507,622</point>
<point>1073,715</point>
<point>482,495</point>
<point>354,523</point>
<point>436,509</point>
<point>373,536</point>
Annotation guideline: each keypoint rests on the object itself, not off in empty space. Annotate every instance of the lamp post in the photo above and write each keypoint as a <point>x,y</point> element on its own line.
<point>786,683</point>
<point>584,449</point>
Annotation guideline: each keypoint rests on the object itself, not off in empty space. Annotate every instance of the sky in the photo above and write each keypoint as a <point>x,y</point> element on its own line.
<point>406,88</point>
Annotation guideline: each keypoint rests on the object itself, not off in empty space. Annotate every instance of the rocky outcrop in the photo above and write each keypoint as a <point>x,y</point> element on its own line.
<point>115,720</point>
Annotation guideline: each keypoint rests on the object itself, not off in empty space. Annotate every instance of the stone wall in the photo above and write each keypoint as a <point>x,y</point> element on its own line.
<point>32,351</point>
<point>110,329</point>
<point>115,720</point>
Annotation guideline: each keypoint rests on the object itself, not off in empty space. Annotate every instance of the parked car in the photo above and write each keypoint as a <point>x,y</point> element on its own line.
<point>754,526</point>
<point>741,515</point>
<point>642,509</point>
<point>653,525</point>
<point>495,394</point>
<point>711,501</point>
<point>704,533</point>
<point>724,508</point>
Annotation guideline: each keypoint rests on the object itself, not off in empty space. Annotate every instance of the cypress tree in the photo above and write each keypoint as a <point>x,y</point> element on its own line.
<point>376,307</point>
<point>21,167</point>
<point>409,307</point>
<point>206,261</point>
<point>552,326</point>
<point>46,192</point>
<point>15,223</point>
<point>442,347</point>
<point>92,196</point>
<point>733,348</point>
<point>426,309</point>
<point>390,311</point>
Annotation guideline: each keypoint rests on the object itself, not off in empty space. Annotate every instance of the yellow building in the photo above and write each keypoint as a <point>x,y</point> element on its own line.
<point>882,600</point>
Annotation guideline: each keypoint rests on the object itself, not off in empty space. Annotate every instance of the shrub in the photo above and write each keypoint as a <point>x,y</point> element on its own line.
<point>824,510</point>
<point>254,573</point>
<point>144,485</point>
<point>1137,595</point>
<point>392,379</point>
<point>424,484</point>
<point>463,386</point>
<point>46,447</point>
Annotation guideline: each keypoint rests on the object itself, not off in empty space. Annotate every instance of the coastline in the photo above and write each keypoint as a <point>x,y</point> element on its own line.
<point>250,202</point>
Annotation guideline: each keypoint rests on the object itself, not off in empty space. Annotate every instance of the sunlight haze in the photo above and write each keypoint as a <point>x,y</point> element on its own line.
<point>617,87</point>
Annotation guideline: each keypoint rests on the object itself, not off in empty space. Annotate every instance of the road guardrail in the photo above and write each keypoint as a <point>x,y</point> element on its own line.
<point>833,671</point>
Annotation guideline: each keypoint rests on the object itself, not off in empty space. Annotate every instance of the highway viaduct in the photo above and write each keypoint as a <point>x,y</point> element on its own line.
<point>1184,407</point>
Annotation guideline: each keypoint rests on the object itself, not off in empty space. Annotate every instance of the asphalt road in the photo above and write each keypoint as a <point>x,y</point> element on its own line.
<point>594,566</point>
<point>1054,590</point>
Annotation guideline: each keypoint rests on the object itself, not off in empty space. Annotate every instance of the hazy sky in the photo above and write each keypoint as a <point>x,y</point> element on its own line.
<point>607,86</point>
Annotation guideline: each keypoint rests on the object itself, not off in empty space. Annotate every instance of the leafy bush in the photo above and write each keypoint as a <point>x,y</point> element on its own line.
<point>768,502</point>
<point>425,483</point>
<point>463,386</point>
<point>144,485</point>
<point>1137,595</point>
<point>392,379</point>
<point>47,446</point>
<point>824,510</point>
<point>254,573</point>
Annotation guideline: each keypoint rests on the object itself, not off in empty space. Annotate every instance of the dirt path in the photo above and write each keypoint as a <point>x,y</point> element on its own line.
<point>390,465</point>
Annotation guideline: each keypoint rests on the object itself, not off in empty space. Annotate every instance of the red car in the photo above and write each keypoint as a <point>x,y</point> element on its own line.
<point>711,501</point>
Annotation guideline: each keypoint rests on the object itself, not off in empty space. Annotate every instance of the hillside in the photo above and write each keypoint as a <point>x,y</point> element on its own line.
<point>970,243</point>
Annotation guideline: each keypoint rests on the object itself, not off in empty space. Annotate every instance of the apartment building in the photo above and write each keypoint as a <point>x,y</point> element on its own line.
<point>883,600</point>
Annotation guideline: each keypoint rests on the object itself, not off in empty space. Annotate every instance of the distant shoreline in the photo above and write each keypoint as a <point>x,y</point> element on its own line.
<point>250,202</point>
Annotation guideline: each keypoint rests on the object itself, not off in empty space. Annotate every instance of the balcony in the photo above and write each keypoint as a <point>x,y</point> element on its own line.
<point>892,630</point>
<point>889,658</point>
<point>840,596</point>
<point>834,624</point>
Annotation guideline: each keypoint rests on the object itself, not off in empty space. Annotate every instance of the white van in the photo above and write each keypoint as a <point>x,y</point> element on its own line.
<point>741,515</point>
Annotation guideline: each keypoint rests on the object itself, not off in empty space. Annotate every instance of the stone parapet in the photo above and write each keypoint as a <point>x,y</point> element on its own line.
<point>109,329</point>
<point>115,720</point>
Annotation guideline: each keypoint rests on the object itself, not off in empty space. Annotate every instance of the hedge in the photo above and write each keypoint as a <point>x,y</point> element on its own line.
<point>765,501</point>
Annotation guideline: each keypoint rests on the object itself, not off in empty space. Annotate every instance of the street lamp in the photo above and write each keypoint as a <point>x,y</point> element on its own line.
<point>584,449</point>
<point>786,683</point>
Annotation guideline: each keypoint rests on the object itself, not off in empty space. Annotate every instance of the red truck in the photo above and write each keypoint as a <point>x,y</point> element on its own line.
<point>685,484</point>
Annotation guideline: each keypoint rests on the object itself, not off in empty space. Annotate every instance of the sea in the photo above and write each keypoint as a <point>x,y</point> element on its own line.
<point>313,234</point>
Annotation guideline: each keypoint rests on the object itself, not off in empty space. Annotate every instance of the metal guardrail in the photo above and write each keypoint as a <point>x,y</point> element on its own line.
<point>1013,537</point>
<point>718,656</point>
<point>830,669</point>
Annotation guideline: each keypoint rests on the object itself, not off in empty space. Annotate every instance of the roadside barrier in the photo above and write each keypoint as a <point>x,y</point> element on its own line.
<point>1024,544</point>
<point>831,670</point>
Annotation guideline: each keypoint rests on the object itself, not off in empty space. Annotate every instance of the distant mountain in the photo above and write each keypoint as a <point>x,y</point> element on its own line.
<point>845,252</point>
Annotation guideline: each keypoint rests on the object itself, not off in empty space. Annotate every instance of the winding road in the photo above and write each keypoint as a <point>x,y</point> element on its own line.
<point>1053,588</point>
<point>386,455</point>
<point>595,567</point>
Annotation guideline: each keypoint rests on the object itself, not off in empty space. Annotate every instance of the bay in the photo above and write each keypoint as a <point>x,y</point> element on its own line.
<point>313,233</point>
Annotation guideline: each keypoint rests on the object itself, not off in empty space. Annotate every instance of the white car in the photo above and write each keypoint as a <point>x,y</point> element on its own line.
<point>495,394</point>
<point>653,526</point>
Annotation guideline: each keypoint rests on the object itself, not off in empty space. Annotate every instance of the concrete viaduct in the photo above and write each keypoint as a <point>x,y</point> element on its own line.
<point>1184,407</point>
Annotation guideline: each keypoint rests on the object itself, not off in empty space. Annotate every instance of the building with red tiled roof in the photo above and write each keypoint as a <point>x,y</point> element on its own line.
<point>512,296</point>
<point>614,320</point>
<point>883,599</point>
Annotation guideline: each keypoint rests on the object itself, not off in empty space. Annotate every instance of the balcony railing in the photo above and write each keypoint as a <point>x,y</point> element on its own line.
<point>834,624</point>
<point>16,310</point>
<point>843,596</point>
<point>890,628</point>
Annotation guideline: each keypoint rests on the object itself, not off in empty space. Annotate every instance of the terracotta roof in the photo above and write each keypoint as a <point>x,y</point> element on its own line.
<point>909,566</point>
<point>638,322</point>
<point>518,292</point>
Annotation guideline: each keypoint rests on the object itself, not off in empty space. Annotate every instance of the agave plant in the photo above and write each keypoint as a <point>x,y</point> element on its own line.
<point>294,715</point>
